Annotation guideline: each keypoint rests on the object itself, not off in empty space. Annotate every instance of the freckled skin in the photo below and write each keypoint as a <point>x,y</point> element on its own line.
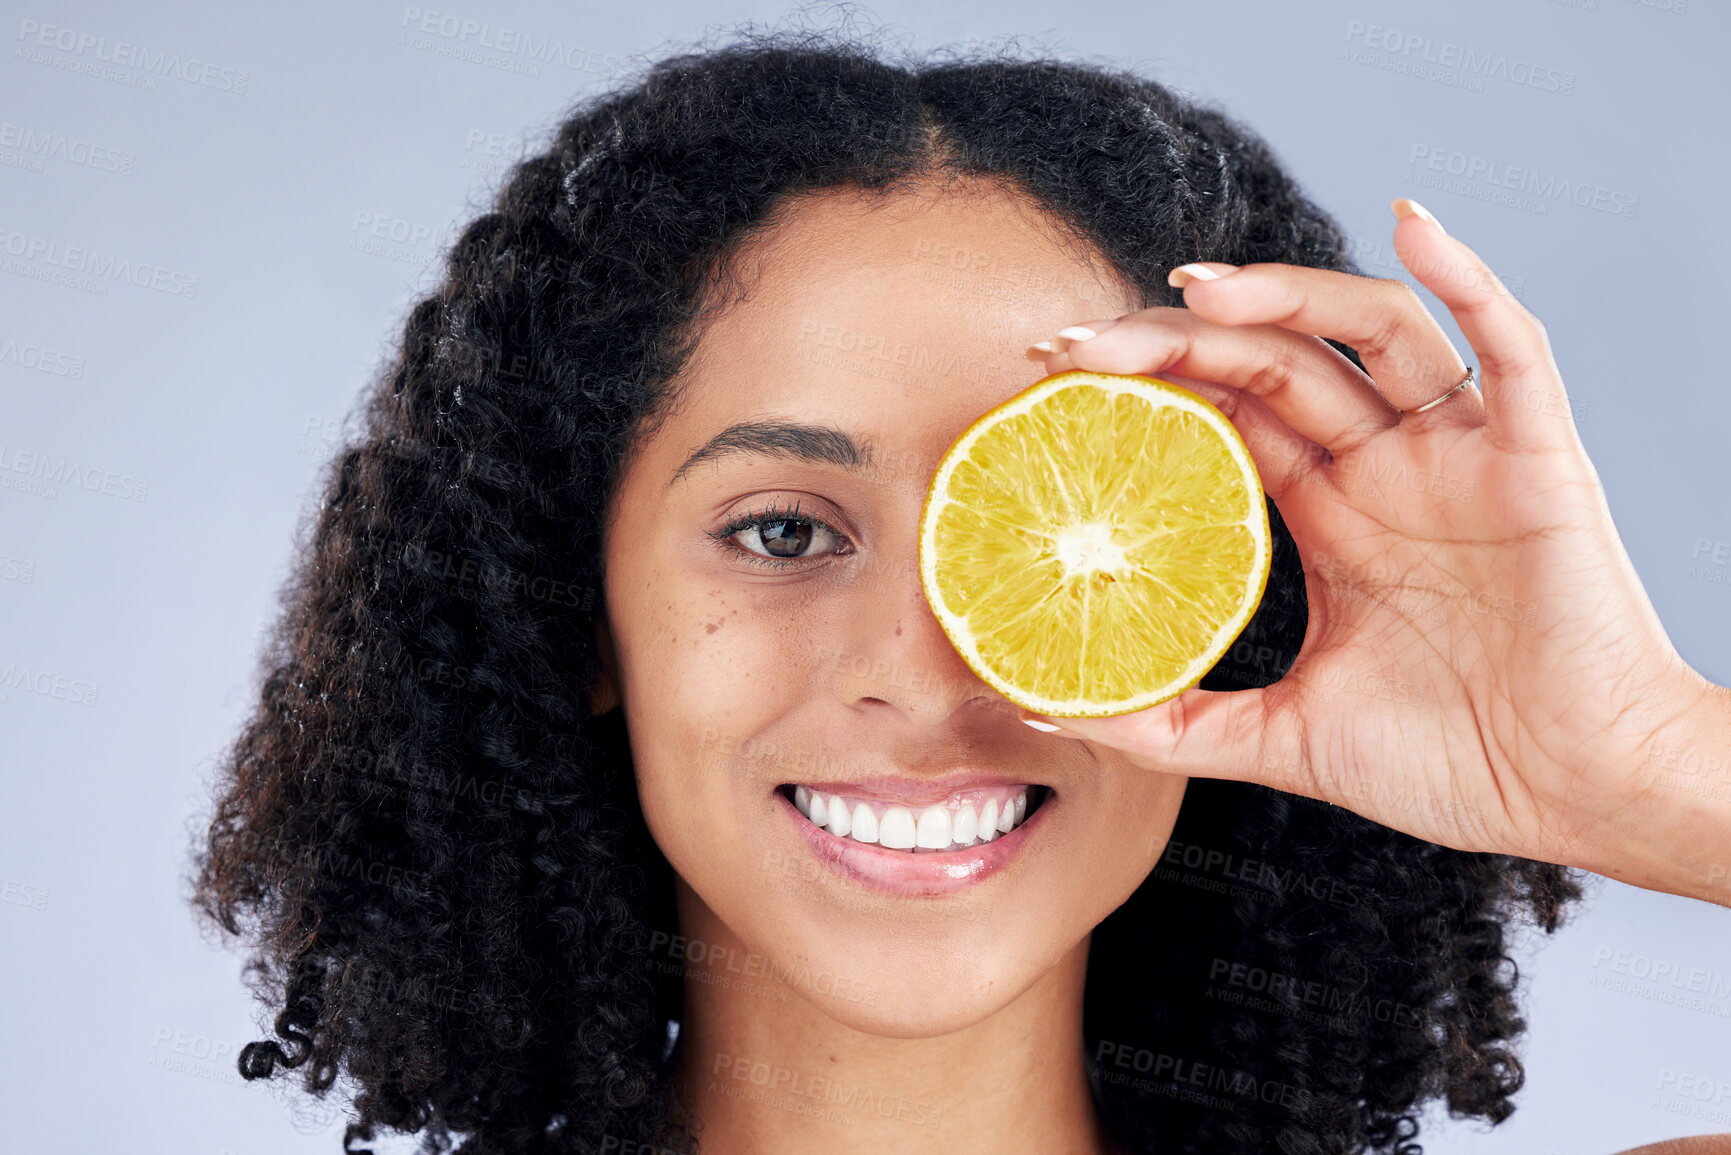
<point>971,1002</point>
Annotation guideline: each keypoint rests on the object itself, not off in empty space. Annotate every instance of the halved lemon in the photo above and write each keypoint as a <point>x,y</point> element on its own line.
<point>1093,545</point>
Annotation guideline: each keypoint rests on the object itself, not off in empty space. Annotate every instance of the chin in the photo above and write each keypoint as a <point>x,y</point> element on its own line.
<point>927,977</point>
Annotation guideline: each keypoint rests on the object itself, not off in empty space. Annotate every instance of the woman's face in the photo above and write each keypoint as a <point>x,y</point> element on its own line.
<point>769,642</point>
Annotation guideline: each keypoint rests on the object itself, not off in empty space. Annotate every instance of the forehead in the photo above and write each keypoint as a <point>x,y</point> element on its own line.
<point>912,310</point>
<point>984,258</point>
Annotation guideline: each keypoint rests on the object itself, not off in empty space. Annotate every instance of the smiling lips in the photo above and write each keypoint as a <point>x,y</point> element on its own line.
<point>967,818</point>
<point>928,842</point>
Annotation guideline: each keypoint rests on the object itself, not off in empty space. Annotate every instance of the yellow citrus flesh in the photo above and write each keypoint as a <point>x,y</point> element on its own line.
<point>1093,545</point>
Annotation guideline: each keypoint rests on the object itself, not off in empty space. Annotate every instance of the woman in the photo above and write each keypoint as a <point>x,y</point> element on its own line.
<point>565,820</point>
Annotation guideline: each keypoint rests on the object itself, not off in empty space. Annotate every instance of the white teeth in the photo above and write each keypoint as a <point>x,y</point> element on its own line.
<point>989,820</point>
<point>934,828</point>
<point>865,824</point>
<point>896,830</point>
<point>840,821</point>
<point>961,822</point>
<point>967,825</point>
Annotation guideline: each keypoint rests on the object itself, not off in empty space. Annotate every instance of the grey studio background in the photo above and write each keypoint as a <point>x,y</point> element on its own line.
<point>275,199</point>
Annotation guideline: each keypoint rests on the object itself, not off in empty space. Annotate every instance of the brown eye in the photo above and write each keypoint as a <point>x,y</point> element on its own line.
<point>788,538</point>
<point>785,538</point>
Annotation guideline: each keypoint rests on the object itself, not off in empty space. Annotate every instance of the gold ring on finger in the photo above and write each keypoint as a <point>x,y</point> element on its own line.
<point>1470,380</point>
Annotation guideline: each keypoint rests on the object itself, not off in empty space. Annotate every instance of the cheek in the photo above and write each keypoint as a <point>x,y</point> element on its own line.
<point>1141,809</point>
<point>704,672</point>
<point>703,661</point>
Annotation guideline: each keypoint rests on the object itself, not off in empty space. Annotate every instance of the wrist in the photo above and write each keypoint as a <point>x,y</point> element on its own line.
<point>1674,835</point>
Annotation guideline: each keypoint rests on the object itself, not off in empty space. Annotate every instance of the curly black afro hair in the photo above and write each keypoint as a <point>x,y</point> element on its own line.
<point>435,851</point>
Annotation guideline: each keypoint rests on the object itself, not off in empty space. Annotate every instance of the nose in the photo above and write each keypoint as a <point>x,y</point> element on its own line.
<point>896,657</point>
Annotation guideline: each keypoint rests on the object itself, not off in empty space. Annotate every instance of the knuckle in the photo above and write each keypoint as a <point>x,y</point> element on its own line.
<point>1150,335</point>
<point>1276,373</point>
<point>1538,326</point>
<point>1159,319</point>
<point>1530,338</point>
<point>1399,305</point>
<point>1397,294</point>
<point>1385,331</point>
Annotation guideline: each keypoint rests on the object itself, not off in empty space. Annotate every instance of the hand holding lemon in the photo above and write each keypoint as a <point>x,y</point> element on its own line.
<point>1059,567</point>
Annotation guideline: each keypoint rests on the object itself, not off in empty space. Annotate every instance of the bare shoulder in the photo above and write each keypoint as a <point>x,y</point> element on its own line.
<point>1693,1145</point>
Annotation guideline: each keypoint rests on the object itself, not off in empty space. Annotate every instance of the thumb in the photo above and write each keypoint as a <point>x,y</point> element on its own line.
<point>1248,735</point>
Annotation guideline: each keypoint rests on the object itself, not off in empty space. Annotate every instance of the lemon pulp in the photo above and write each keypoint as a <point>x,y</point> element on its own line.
<point>1093,545</point>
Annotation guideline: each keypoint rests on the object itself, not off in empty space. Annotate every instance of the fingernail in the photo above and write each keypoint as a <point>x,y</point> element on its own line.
<point>1405,207</point>
<point>1184,274</point>
<point>1073,334</point>
<point>1033,719</point>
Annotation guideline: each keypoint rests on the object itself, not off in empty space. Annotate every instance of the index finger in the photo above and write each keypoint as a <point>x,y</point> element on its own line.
<point>1406,353</point>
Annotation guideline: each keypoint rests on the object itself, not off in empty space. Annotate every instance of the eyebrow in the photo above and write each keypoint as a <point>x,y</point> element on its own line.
<point>823,444</point>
